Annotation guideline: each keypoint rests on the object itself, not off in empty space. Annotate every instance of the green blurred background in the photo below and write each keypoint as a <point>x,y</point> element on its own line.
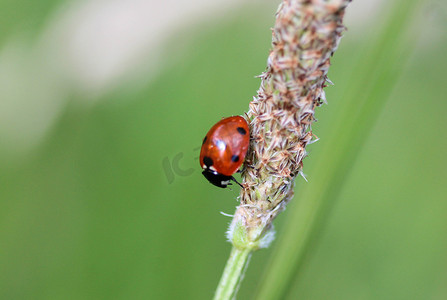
<point>101,193</point>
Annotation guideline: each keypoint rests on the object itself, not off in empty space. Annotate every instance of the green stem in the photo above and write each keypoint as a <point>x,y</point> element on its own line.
<point>233,273</point>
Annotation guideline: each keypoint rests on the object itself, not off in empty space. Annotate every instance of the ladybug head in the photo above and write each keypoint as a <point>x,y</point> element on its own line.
<point>217,179</point>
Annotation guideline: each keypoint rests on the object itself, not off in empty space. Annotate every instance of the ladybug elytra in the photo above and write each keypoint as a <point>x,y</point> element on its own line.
<point>223,150</point>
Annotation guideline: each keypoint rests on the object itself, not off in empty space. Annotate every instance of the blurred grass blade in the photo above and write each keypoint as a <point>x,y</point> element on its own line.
<point>371,83</point>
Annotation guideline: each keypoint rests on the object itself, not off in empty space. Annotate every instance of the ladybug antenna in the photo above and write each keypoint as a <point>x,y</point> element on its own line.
<point>234,179</point>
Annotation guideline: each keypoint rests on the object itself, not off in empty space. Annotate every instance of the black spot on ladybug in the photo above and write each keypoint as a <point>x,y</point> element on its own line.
<point>241,130</point>
<point>235,158</point>
<point>204,140</point>
<point>207,161</point>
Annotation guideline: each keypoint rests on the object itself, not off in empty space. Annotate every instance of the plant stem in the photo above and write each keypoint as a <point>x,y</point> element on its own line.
<point>233,273</point>
<point>304,37</point>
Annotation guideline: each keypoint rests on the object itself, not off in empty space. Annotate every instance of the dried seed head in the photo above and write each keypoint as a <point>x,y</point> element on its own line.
<point>305,35</point>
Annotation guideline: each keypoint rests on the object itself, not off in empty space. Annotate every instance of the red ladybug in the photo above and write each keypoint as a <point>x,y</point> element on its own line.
<point>223,150</point>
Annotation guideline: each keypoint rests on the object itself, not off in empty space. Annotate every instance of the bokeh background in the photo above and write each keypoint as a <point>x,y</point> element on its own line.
<point>103,106</point>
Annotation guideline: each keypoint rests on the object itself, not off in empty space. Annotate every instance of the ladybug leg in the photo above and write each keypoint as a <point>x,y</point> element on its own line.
<point>242,169</point>
<point>234,179</point>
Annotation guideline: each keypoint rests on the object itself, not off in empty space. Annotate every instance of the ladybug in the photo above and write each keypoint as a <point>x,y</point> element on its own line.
<point>223,150</point>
